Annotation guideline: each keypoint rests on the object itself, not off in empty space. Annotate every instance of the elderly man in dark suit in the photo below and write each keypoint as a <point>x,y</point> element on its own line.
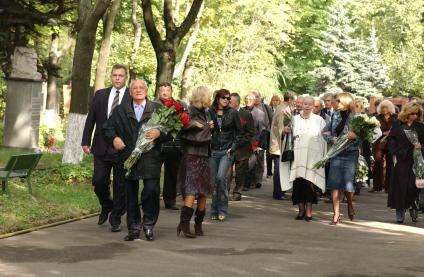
<point>243,152</point>
<point>121,130</point>
<point>102,105</point>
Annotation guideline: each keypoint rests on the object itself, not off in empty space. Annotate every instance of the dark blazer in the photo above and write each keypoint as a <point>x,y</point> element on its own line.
<point>202,116</point>
<point>97,116</point>
<point>123,123</point>
<point>245,144</point>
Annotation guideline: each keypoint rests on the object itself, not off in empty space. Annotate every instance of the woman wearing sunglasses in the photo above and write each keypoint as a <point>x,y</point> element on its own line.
<point>225,139</point>
<point>403,192</point>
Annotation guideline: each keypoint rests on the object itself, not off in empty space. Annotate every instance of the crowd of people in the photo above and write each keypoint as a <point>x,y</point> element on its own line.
<point>223,140</point>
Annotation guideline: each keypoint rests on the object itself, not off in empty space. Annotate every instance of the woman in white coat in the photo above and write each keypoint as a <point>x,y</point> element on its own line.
<point>309,148</point>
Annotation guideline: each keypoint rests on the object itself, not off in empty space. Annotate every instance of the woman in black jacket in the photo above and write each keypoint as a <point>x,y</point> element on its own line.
<point>403,192</point>
<point>225,140</point>
<point>194,171</point>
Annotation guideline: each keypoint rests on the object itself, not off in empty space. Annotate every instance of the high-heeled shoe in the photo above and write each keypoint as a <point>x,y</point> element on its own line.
<point>300,216</point>
<point>335,222</point>
<point>308,218</point>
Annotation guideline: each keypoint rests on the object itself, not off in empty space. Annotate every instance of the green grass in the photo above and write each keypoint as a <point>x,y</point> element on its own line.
<point>59,192</point>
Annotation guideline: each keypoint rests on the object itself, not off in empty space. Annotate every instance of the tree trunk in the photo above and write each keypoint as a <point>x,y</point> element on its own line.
<point>186,80</point>
<point>52,69</point>
<point>137,37</point>
<point>88,18</point>
<point>73,153</point>
<point>101,69</point>
<point>165,67</point>
<point>165,49</point>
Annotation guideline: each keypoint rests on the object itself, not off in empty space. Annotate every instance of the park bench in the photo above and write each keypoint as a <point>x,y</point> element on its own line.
<point>19,166</point>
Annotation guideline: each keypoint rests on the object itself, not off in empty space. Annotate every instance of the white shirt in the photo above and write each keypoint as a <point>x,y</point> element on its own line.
<point>112,96</point>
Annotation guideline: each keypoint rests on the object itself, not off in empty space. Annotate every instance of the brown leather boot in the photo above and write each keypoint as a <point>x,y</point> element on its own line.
<point>200,215</point>
<point>184,226</point>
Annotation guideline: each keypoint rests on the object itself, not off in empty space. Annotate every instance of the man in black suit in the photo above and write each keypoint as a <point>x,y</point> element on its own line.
<point>171,154</point>
<point>122,130</point>
<point>244,151</point>
<point>102,105</point>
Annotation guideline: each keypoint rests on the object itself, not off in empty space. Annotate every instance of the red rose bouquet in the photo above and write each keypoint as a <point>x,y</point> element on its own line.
<point>169,119</point>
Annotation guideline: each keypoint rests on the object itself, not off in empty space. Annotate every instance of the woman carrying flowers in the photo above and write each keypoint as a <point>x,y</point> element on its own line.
<point>343,165</point>
<point>403,192</point>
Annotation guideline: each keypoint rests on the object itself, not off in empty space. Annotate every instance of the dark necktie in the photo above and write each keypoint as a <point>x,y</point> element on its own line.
<point>115,102</point>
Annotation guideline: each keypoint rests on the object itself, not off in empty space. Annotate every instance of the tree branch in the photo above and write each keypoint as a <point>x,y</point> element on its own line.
<point>168,18</point>
<point>189,20</point>
<point>152,31</point>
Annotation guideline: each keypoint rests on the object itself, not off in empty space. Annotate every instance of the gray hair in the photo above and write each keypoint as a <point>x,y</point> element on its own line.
<point>388,104</point>
<point>307,97</point>
<point>138,80</point>
<point>328,94</point>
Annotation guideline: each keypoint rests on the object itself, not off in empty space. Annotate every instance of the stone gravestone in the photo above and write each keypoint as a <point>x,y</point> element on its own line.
<point>24,100</point>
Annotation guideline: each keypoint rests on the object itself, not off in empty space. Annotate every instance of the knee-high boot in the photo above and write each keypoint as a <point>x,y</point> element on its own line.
<point>200,215</point>
<point>184,226</point>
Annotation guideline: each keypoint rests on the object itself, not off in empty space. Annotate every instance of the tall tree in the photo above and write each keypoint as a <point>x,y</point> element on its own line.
<point>89,15</point>
<point>52,66</point>
<point>165,49</point>
<point>108,22</point>
<point>137,36</point>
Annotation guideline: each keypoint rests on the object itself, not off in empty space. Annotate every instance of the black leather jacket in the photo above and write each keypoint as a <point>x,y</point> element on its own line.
<point>230,133</point>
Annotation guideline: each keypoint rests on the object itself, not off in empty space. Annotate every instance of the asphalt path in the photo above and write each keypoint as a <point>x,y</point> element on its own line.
<point>259,238</point>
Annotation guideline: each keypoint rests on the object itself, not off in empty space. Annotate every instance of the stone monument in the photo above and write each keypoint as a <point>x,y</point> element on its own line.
<point>24,100</point>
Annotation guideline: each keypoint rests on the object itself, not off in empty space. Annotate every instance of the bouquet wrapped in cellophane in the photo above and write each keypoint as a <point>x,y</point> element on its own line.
<point>362,125</point>
<point>418,166</point>
<point>362,171</point>
<point>169,118</point>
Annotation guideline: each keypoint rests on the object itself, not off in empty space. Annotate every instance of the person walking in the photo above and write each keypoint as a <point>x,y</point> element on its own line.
<point>403,193</point>
<point>105,157</point>
<point>226,137</point>
<point>341,176</point>
<point>276,138</point>
<point>171,154</point>
<point>273,105</point>
<point>122,130</point>
<point>309,148</point>
<point>194,175</point>
<point>244,151</point>
<point>386,115</point>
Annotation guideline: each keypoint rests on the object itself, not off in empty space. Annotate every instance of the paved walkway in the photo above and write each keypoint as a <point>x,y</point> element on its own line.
<point>260,238</point>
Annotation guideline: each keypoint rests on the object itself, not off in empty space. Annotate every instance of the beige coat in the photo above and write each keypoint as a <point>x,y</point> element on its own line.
<point>277,127</point>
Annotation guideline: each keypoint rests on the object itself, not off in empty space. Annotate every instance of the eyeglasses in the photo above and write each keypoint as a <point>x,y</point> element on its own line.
<point>226,98</point>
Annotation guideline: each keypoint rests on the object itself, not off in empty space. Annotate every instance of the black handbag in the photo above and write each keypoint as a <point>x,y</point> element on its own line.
<point>288,153</point>
<point>173,146</point>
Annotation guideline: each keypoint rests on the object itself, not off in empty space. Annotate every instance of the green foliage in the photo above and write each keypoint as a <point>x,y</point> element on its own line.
<point>352,65</point>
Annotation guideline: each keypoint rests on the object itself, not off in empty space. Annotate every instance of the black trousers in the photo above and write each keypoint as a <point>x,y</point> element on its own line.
<point>149,203</point>
<point>103,166</point>
<point>241,169</point>
<point>269,160</point>
<point>171,163</point>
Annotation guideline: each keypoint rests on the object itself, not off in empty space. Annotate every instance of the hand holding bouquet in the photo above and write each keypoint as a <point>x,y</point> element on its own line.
<point>418,167</point>
<point>362,125</point>
<point>169,118</point>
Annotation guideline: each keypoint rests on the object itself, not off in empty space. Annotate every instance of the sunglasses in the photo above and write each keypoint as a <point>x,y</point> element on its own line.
<point>225,97</point>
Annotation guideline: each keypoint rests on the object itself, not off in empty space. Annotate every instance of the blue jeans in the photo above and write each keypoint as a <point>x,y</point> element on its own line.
<point>219,163</point>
